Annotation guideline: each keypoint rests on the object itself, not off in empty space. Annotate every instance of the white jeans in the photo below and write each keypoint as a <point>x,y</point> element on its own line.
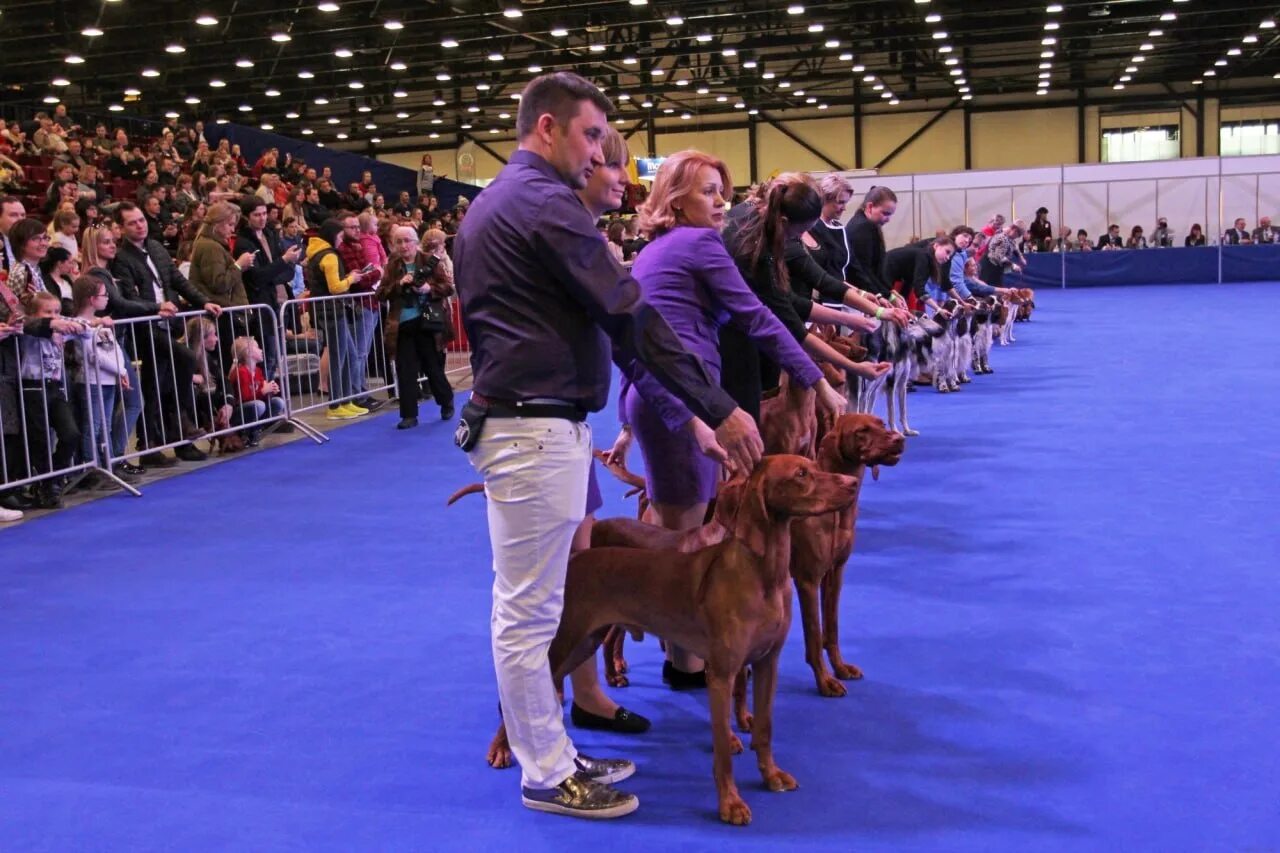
<point>535,476</point>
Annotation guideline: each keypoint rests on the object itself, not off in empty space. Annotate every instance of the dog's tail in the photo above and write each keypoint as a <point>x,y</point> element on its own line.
<point>620,471</point>
<point>473,489</point>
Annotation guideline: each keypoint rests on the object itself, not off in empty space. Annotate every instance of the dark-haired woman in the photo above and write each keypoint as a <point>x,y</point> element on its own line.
<point>1196,237</point>
<point>911,267</point>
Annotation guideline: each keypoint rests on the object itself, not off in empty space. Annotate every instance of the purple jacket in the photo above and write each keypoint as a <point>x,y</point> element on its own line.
<point>688,275</point>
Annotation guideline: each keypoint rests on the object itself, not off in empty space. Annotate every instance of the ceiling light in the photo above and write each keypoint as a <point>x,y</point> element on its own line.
<point>473,109</point>
<point>246,108</point>
<point>685,116</point>
<point>220,121</point>
<point>703,38</point>
<point>646,104</point>
<point>343,53</point>
<point>946,48</point>
<point>956,72</point>
<point>559,32</point>
<point>1131,69</point>
<point>657,72</point>
<point>449,42</point>
<point>398,66</point>
<point>1139,58</point>
<point>1045,65</point>
<point>932,18</point>
<point>342,136</point>
<point>364,108</point>
<point>1044,75</point>
<point>244,62</point>
<point>753,111</point>
<point>321,101</point>
<point>749,63</point>
<point>1118,86</point>
<point>964,90</point>
<point>482,87</point>
<point>879,87</point>
<point>115,108</point>
<point>596,47</point>
<point>675,21</point>
<point>629,60</point>
<point>399,93</point>
<point>1051,25</point>
<point>493,130</point>
<point>512,11</point>
<point>795,9</point>
<point>703,90</point>
<point>402,115</point>
<point>624,97</point>
<point>1046,54</point>
<point>61,81</point>
<point>281,37</point>
<point>886,95</point>
<point>75,59</point>
<point>893,101</point>
<point>268,127</point>
<point>150,72</point>
<point>433,135</point>
<point>870,78</point>
<point>639,2</point>
<point>216,84</point>
<point>729,51</point>
<point>1220,63</point>
<point>1250,39</point>
<point>305,75</point>
<point>495,57</point>
<point>846,57</point>
<point>371,126</point>
<point>669,110</point>
<point>516,96</point>
<point>272,93</point>
<point>784,84</point>
<point>464,127</point>
<point>291,115</point>
<point>443,77</point>
<point>1169,16</point>
<point>811,100</point>
<point>534,69</point>
<point>207,21</point>
<point>355,84</point>
<point>831,44</point>
<point>171,114</point>
<point>1267,25</point>
<point>1146,45</point>
<point>328,7</point>
<point>1054,8</point>
<point>739,106</point>
<point>1201,82</point>
<point>858,69</point>
<point>960,81</point>
<point>331,120</point>
<point>1125,78</point>
<point>438,102</point>
<point>1210,73</point>
<point>392,25</point>
<point>51,99</point>
<point>191,99</point>
<point>1235,51</point>
<point>682,82</point>
<point>816,28</point>
<point>939,35</point>
<point>504,115</point>
<point>768,75</point>
<point>1038,92</point>
<point>720,99</point>
<point>94,32</point>
<point>1048,41</point>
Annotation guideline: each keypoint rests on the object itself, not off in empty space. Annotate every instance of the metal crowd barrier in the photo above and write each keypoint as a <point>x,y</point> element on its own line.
<point>457,350</point>
<point>333,355</point>
<point>42,438</point>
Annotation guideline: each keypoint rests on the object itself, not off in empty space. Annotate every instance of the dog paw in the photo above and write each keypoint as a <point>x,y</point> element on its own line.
<point>778,779</point>
<point>734,810</point>
<point>847,671</point>
<point>499,756</point>
<point>908,431</point>
<point>620,665</point>
<point>831,687</point>
<point>735,744</point>
<point>744,721</point>
<point>618,680</point>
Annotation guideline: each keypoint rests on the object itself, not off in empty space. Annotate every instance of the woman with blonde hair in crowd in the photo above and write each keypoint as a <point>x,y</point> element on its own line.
<point>219,276</point>
<point>689,277</point>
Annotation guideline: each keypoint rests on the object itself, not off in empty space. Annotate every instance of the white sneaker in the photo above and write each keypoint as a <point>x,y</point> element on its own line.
<point>9,515</point>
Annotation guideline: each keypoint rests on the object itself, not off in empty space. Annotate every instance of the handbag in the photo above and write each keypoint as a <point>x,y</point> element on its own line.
<point>432,315</point>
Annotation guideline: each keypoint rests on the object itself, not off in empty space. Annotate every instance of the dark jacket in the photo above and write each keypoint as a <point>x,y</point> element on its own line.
<point>332,200</point>
<point>912,265</point>
<point>260,280</point>
<point>808,276</point>
<point>135,279</point>
<point>866,245</point>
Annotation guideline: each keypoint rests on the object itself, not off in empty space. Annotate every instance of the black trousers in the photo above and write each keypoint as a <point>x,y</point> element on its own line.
<point>741,371</point>
<point>167,368</point>
<point>416,353</point>
<point>48,410</point>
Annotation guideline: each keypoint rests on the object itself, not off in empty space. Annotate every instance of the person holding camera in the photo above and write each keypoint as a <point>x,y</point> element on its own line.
<point>415,285</point>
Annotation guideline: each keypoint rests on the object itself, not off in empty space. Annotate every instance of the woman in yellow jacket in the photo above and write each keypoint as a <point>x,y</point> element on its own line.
<point>326,276</point>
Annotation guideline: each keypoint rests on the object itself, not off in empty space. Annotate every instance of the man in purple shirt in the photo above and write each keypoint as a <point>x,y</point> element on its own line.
<point>542,303</point>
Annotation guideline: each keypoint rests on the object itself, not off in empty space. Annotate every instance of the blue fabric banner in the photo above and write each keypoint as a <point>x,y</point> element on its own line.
<point>1198,265</point>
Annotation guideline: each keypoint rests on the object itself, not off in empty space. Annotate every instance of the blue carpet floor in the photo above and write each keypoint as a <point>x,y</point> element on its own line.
<point>1065,599</point>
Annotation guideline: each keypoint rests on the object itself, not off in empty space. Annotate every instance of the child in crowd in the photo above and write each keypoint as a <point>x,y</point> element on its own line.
<point>47,409</point>
<point>99,367</point>
<point>258,397</point>
<point>213,410</point>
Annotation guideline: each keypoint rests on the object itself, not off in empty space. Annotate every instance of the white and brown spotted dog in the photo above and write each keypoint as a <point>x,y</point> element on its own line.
<point>910,351</point>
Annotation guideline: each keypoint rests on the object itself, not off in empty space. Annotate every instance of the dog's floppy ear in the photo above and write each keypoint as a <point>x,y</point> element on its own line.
<point>751,515</point>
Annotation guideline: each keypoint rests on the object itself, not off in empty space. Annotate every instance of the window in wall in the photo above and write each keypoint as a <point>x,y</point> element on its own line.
<point>1243,138</point>
<point>1129,144</point>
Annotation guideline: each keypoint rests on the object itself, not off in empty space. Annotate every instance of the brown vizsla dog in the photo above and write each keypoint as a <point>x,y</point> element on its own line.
<point>821,544</point>
<point>729,603</point>
<point>789,419</point>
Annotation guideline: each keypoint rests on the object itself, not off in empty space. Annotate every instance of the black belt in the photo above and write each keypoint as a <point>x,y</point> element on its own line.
<point>519,409</point>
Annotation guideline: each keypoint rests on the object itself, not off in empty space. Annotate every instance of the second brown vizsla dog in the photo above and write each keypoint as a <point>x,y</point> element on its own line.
<point>789,420</point>
<point>728,603</point>
<point>821,544</point>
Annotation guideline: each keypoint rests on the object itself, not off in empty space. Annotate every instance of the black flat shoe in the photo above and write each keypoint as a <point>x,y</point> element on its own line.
<point>407,423</point>
<point>446,414</point>
<point>623,722</point>
<point>678,679</point>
